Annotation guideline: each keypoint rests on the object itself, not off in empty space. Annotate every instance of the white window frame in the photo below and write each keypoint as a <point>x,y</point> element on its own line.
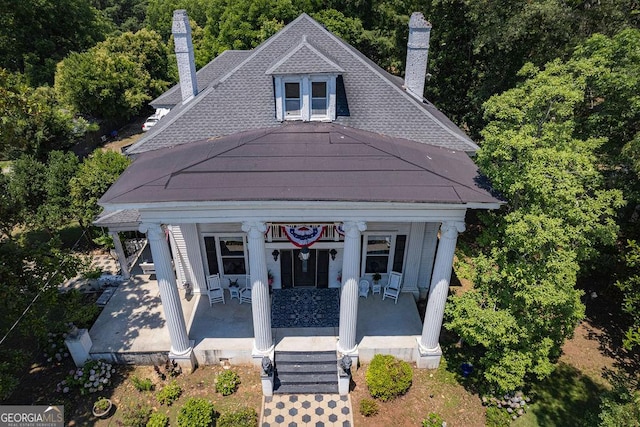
<point>217,237</point>
<point>305,82</point>
<point>392,250</point>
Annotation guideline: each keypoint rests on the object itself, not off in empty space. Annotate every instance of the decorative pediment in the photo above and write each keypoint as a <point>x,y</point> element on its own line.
<point>304,58</point>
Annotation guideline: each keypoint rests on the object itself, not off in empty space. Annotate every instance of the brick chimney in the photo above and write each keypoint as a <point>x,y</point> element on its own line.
<point>417,55</point>
<point>184,54</point>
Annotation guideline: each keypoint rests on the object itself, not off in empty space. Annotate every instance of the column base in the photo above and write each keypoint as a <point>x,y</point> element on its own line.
<point>428,358</point>
<point>187,359</point>
<point>257,355</point>
<point>353,354</point>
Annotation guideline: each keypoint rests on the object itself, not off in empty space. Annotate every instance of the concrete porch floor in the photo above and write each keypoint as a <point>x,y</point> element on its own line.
<point>132,329</point>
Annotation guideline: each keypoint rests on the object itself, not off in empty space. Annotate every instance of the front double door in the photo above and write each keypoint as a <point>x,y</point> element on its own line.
<point>297,273</point>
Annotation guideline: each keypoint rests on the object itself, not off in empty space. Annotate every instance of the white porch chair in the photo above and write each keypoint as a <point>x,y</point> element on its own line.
<point>363,288</point>
<point>245,293</point>
<point>392,290</point>
<point>214,289</point>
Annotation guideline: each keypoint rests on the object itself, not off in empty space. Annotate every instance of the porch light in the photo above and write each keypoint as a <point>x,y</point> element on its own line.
<point>304,256</point>
<point>275,254</point>
<point>304,253</point>
<point>333,254</point>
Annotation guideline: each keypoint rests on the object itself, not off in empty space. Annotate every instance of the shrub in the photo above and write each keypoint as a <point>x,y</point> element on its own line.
<point>94,376</point>
<point>135,416</point>
<point>433,420</point>
<point>496,417</point>
<point>243,417</point>
<point>158,419</point>
<point>368,407</point>
<point>144,384</point>
<point>196,412</point>
<point>388,377</point>
<point>169,393</point>
<point>227,382</point>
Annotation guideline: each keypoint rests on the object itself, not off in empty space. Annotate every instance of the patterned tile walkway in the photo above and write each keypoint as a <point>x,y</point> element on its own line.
<point>308,410</point>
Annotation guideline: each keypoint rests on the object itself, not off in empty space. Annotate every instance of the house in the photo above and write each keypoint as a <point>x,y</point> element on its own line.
<point>301,165</point>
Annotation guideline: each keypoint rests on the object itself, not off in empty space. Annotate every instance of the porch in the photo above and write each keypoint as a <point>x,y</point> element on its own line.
<point>132,328</point>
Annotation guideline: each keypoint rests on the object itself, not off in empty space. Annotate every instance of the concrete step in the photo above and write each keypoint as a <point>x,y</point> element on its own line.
<point>306,357</point>
<point>305,389</point>
<point>307,378</point>
<point>303,368</point>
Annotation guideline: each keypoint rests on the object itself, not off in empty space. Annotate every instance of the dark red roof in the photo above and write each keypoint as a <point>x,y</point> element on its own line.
<point>302,161</point>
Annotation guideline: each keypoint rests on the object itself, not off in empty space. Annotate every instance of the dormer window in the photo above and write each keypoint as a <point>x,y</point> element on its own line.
<point>319,99</point>
<point>292,99</point>
<point>306,98</point>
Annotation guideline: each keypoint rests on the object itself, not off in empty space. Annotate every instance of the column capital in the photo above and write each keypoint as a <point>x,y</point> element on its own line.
<point>152,230</point>
<point>254,228</point>
<point>455,227</point>
<point>351,227</point>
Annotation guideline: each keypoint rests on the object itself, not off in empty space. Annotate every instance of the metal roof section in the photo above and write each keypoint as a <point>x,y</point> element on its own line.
<point>301,162</point>
<point>243,98</point>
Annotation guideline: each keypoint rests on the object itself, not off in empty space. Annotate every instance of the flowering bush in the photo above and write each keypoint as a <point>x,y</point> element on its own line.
<point>94,376</point>
<point>55,348</point>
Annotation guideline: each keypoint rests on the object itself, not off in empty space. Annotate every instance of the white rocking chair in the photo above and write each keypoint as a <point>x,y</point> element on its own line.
<point>245,293</point>
<point>392,290</point>
<point>214,289</point>
<point>363,288</point>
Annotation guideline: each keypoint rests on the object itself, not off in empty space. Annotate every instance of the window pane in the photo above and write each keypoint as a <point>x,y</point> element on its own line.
<point>232,246</point>
<point>319,106</point>
<point>292,107</point>
<point>378,245</point>
<point>233,266</point>
<point>319,89</point>
<point>292,90</point>
<point>212,259</point>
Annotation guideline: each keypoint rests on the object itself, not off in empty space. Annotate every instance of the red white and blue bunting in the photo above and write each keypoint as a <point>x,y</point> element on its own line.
<point>339,229</point>
<point>303,235</point>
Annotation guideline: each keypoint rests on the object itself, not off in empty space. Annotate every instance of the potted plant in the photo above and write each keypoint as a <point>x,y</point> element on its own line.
<point>102,407</point>
<point>376,277</point>
<point>270,277</point>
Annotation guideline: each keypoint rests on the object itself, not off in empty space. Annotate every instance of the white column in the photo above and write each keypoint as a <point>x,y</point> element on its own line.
<point>349,295</point>
<point>428,345</point>
<point>168,289</point>
<point>122,257</point>
<point>260,301</point>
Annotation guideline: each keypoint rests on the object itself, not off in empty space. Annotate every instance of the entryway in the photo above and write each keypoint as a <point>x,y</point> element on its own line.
<point>297,273</point>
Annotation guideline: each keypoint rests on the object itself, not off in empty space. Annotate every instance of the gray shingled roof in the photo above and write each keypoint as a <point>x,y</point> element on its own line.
<point>301,162</point>
<point>304,59</point>
<point>208,74</point>
<point>243,98</point>
<point>122,218</point>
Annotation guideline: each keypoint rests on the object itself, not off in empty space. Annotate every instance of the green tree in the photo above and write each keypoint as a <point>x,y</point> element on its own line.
<point>33,121</point>
<point>127,15</point>
<point>160,14</point>
<point>36,34</point>
<point>524,304</point>
<point>116,78</point>
<point>630,288</point>
<point>96,174</point>
<point>494,40</point>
